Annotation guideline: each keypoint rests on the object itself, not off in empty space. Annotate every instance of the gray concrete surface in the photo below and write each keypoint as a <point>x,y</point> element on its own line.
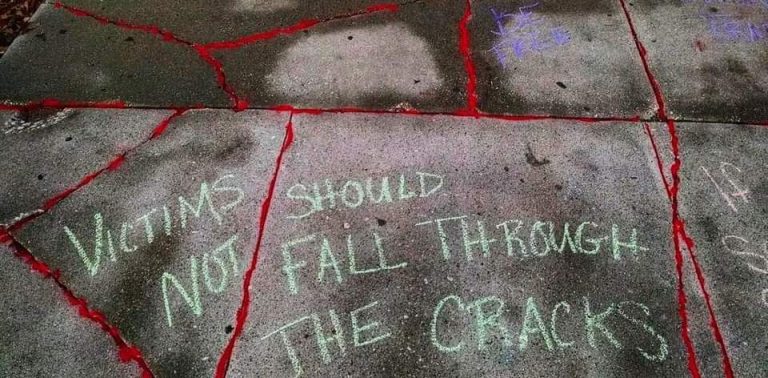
<point>724,202</point>
<point>709,56</point>
<point>491,172</point>
<point>56,149</point>
<point>77,59</point>
<point>550,57</point>
<point>115,245</point>
<point>42,336</point>
<point>404,60</point>
<point>397,283</point>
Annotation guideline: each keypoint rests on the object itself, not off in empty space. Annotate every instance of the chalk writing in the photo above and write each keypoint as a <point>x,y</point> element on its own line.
<point>539,242</point>
<point>353,193</point>
<point>737,27</point>
<point>740,247</point>
<point>327,259</point>
<point>127,241</point>
<point>755,261</point>
<point>728,28</point>
<point>487,315</point>
<point>223,257</point>
<point>364,333</point>
<point>526,35</point>
<point>738,190</point>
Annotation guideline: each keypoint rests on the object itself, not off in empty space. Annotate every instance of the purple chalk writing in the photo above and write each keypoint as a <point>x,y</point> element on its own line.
<point>737,26</point>
<point>523,33</point>
<point>725,28</point>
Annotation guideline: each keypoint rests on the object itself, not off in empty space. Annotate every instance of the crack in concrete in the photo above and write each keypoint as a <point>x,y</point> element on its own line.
<point>242,312</point>
<point>126,351</point>
<point>204,51</point>
<point>678,223</point>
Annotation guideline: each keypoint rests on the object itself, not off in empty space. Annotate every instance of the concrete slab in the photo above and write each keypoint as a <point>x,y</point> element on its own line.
<point>159,246</point>
<point>46,152</point>
<point>408,59</point>
<point>43,336</point>
<point>550,57</point>
<point>78,59</point>
<point>362,282</point>
<point>403,60</point>
<point>709,56</point>
<point>205,21</point>
<point>724,200</point>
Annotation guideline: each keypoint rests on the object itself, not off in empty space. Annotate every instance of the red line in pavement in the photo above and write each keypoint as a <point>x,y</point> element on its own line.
<point>261,36</point>
<point>682,310</point>
<point>297,27</point>
<point>678,224</point>
<point>238,104</point>
<point>469,66</point>
<point>655,86</point>
<point>204,50</point>
<point>151,29</point>
<point>126,352</point>
<point>414,112</point>
<point>242,313</point>
<point>659,160</point>
<point>112,165</point>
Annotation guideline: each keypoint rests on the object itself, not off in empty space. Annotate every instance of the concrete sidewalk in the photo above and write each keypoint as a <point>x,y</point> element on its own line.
<point>349,188</point>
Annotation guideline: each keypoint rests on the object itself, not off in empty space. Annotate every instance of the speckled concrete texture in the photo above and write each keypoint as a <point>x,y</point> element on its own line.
<point>322,254</point>
<point>180,212</point>
<point>56,149</point>
<point>367,188</point>
<point>550,57</point>
<point>42,336</point>
<point>709,56</point>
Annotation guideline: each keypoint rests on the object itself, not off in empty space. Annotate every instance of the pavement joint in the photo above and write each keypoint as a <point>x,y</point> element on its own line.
<point>242,312</point>
<point>110,166</point>
<point>466,54</point>
<point>678,223</point>
<point>126,351</point>
<point>204,51</point>
<point>671,191</point>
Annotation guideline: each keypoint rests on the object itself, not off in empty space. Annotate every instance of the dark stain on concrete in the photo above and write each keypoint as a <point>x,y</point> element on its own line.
<point>531,159</point>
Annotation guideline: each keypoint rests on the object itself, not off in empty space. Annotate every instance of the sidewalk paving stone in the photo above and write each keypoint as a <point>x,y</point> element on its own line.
<point>724,200</point>
<point>382,300</point>
<point>558,58</point>
<point>43,336</point>
<point>46,152</point>
<point>160,245</point>
<point>710,57</point>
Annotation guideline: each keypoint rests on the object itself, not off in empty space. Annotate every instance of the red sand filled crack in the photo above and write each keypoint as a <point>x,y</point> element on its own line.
<point>465,49</point>
<point>126,351</point>
<point>204,51</point>
<point>297,27</point>
<point>112,165</point>
<point>242,312</point>
<point>678,223</point>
